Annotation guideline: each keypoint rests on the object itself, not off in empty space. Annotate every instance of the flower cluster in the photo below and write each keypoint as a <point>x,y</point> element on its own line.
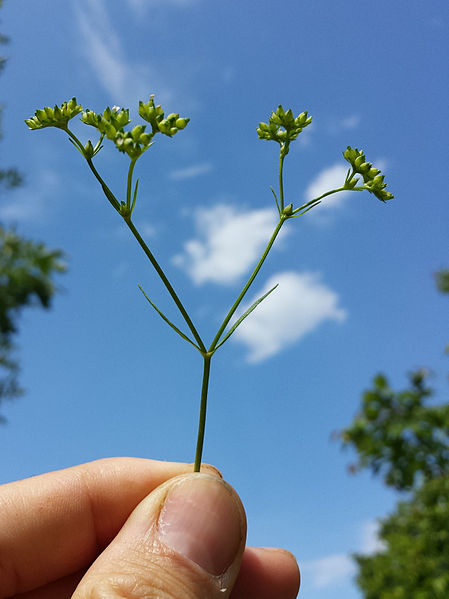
<point>58,116</point>
<point>112,123</point>
<point>170,125</point>
<point>373,180</point>
<point>283,127</point>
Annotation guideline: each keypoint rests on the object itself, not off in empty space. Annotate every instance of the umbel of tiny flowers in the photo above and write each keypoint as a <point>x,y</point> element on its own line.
<point>282,128</point>
<point>372,178</point>
<point>54,117</point>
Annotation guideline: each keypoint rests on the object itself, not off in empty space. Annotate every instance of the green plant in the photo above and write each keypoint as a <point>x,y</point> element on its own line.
<point>282,127</point>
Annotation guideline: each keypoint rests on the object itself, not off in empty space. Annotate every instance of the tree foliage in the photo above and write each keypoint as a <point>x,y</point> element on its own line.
<point>26,279</point>
<point>415,561</point>
<point>397,435</point>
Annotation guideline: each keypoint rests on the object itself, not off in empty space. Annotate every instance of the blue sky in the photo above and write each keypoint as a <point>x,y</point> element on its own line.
<point>104,374</point>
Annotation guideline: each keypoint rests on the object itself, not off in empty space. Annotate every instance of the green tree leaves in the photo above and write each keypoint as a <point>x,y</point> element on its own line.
<point>26,279</point>
<point>415,562</point>
<point>398,436</point>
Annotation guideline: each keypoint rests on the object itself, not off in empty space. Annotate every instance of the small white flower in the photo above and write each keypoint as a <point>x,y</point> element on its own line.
<point>115,108</point>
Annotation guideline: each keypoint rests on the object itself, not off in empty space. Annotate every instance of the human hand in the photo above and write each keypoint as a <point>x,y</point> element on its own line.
<point>73,533</point>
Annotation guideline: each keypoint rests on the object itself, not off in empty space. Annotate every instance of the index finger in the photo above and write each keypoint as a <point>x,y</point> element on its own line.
<point>55,524</point>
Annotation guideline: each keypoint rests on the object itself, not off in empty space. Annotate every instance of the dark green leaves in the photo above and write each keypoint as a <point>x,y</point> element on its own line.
<point>397,435</point>
<point>415,561</point>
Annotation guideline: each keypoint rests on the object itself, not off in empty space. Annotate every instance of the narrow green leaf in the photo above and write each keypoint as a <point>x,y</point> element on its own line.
<point>306,210</point>
<point>134,196</point>
<point>275,199</point>
<point>174,327</point>
<point>247,313</point>
<point>76,146</point>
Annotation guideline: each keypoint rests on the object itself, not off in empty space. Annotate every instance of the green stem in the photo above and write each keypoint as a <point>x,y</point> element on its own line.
<point>203,407</point>
<point>129,183</point>
<point>237,302</point>
<point>328,193</point>
<point>281,181</point>
<point>166,282</point>
<point>107,192</point>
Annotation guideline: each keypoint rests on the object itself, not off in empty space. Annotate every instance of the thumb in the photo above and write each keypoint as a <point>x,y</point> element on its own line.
<point>184,540</point>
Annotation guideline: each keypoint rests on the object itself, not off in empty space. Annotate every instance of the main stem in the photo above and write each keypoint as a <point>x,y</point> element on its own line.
<point>203,408</point>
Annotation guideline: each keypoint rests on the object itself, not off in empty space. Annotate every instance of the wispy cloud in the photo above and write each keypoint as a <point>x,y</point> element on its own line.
<point>351,122</point>
<point>123,79</point>
<point>348,123</point>
<point>329,178</point>
<point>328,571</point>
<point>26,204</point>
<point>190,172</point>
<point>298,306</point>
<point>140,7</point>
<point>228,242</point>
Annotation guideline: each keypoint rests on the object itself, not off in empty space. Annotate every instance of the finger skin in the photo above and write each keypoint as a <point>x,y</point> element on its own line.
<point>56,524</point>
<point>86,506</point>
<point>159,553</point>
<point>264,574</point>
<point>267,573</point>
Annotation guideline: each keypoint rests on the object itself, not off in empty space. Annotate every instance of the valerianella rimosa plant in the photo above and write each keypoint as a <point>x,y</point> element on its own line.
<point>282,127</point>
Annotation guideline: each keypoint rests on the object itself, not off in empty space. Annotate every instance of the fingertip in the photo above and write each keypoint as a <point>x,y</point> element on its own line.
<point>210,469</point>
<point>267,572</point>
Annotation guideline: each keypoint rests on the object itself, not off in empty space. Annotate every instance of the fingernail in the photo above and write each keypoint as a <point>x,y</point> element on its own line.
<point>202,520</point>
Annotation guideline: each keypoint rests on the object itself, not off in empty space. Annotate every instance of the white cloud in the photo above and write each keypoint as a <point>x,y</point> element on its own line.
<point>229,242</point>
<point>191,172</point>
<point>296,307</point>
<point>370,538</point>
<point>338,568</point>
<point>123,79</point>
<point>328,571</point>
<point>329,178</point>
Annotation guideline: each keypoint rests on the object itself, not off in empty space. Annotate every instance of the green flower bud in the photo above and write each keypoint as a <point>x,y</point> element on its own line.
<point>49,113</point>
<point>41,115</point>
<point>109,130</point>
<point>122,117</point>
<point>372,172</point>
<point>359,161</point>
<point>145,139</point>
<point>88,149</point>
<point>137,132</point>
<point>181,123</point>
